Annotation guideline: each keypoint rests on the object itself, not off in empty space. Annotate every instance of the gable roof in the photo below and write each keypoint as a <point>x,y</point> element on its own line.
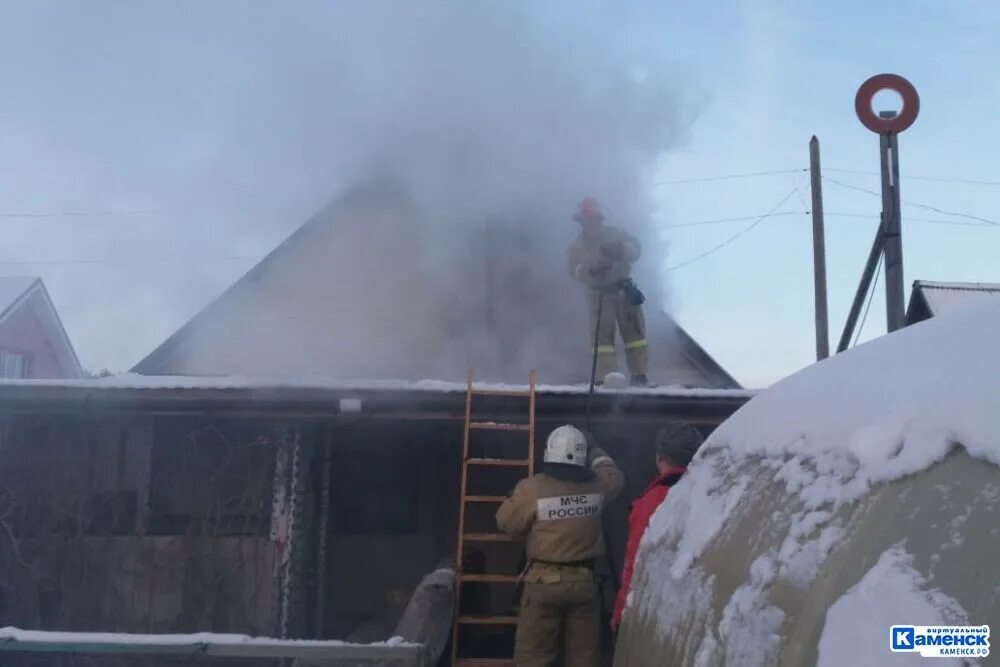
<point>17,292</point>
<point>157,360</point>
<point>12,288</point>
<point>394,312</point>
<point>930,298</point>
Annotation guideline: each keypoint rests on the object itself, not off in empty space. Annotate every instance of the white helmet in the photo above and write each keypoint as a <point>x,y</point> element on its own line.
<point>567,444</point>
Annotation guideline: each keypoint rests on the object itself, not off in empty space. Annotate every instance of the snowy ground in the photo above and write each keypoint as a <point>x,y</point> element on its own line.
<point>204,643</point>
<point>789,528</point>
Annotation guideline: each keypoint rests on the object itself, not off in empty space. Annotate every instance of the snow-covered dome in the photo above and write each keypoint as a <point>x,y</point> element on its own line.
<point>860,493</point>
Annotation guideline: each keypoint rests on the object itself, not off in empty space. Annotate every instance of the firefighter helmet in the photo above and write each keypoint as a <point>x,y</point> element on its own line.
<point>568,445</point>
<point>588,209</point>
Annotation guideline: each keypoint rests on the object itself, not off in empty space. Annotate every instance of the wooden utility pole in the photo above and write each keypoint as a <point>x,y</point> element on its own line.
<point>819,253</point>
<point>894,291</point>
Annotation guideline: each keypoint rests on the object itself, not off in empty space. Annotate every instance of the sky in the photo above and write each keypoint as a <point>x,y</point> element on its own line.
<point>152,152</point>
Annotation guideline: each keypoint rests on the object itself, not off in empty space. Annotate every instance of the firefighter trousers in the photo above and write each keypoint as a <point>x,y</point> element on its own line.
<point>617,310</point>
<point>561,618</point>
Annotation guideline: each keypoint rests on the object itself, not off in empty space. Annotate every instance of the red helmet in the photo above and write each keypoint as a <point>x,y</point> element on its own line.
<point>588,209</point>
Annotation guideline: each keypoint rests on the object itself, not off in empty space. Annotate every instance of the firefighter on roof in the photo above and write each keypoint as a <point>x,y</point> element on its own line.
<point>558,512</point>
<point>601,258</point>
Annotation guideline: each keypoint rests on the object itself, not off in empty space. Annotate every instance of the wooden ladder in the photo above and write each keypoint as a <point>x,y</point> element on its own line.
<point>464,537</point>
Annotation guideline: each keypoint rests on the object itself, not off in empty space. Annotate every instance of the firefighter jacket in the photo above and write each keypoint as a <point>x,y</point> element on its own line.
<point>561,518</point>
<point>638,519</point>
<point>602,258</point>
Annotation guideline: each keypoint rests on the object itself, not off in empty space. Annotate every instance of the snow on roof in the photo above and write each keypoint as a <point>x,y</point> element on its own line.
<point>149,382</point>
<point>13,288</point>
<point>944,297</point>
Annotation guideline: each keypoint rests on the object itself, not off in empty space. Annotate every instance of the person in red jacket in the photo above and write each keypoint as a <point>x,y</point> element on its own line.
<point>675,447</point>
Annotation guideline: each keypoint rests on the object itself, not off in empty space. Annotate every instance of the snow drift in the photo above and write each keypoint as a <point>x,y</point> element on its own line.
<point>870,475</point>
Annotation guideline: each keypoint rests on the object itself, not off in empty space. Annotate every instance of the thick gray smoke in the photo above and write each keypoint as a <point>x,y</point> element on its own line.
<point>489,120</point>
<point>496,123</point>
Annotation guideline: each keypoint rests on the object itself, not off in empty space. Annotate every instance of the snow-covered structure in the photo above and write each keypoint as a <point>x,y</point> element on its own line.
<point>929,298</point>
<point>859,493</point>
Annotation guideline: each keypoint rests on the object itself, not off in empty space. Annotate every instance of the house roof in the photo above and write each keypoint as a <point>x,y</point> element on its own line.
<point>12,288</point>
<point>17,292</point>
<point>241,315</point>
<point>931,298</point>
<point>322,397</point>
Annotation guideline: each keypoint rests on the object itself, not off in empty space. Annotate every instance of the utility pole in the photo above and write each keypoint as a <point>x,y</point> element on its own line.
<point>819,253</point>
<point>894,296</point>
<point>888,241</point>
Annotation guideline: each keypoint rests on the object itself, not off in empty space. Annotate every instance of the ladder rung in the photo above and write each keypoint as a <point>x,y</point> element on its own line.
<point>496,426</point>
<point>488,620</point>
<point>486,537</point>
<point>490,578</point>
<point>498,462</point>
<point>485,499</point>
<point>515,393</point>
<point>485,662</point>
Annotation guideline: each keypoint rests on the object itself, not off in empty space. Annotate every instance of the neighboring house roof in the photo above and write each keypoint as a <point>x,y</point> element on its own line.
<point>320,305</point>
<point>12,288</point>
<point>930,299</point>
<point>17,292</point>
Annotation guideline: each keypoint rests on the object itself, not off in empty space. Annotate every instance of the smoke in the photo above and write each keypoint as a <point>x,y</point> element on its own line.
<point>496,122</point>
<point>482,124</point>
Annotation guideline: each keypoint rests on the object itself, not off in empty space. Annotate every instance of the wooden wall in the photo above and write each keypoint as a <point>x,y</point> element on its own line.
<point>135,524</point>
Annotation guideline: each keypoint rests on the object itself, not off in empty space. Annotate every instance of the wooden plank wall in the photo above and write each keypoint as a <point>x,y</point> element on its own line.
<point>76,552</point>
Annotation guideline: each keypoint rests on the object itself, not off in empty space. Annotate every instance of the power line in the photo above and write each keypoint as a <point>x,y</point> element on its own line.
<point>926,207</point>
<point>75,214</point>
<point>861,216</point>
<point>140,260</point>
<point>721,220</point>
<point>933,179</point>
<point>932,221</point>
<point>871,297</point>
<point>967,216</point>
<point>727,177</point>
<point>849,186</point>
<point>737,235</point>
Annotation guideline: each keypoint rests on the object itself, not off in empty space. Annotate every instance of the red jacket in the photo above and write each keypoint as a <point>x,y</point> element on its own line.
<point>639,516</point>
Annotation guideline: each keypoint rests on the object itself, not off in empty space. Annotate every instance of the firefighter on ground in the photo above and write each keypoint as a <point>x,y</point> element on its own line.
<point>558,512</point>
<point>601,258</point>
<point>675,447</point>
